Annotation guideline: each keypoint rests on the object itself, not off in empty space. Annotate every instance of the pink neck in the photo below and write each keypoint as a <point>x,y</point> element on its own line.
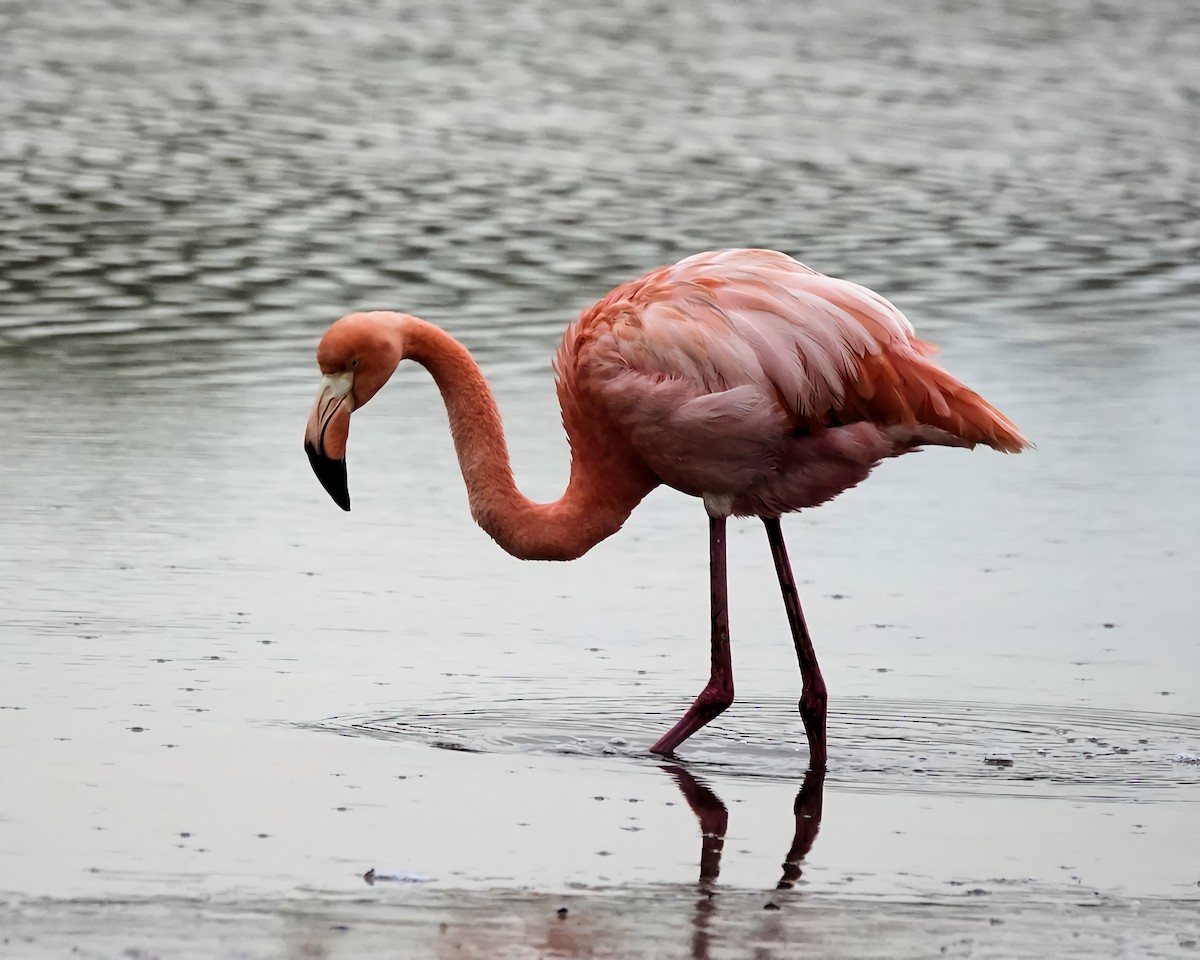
<point>607,479</point>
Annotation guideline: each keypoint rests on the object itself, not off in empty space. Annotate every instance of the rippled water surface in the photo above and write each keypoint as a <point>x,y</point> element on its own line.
<point>190,193</point>
<point>879,744</point>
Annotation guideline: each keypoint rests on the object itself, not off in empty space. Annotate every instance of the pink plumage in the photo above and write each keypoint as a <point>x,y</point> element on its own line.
<point>745,377</point>
<point>739,376</point>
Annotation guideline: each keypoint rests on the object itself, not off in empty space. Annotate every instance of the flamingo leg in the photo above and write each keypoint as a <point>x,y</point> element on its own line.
<point>813,698</point>
<point>718,694</point>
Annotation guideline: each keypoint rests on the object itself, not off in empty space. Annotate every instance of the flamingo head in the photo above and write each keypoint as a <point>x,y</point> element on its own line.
<point>357,356</point>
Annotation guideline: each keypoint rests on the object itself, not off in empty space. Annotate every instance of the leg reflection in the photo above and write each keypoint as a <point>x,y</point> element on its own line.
<point>714,821</point>
<point>713,816</point>
<point>807,809</point>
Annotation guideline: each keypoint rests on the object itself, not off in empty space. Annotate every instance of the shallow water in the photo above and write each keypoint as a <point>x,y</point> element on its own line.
<point>900,746</point>
<point>190,193</point>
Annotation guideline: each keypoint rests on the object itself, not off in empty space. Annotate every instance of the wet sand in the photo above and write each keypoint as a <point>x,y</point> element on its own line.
<point>223,702</point>
<point>260,853</point>
<point>667,923</point>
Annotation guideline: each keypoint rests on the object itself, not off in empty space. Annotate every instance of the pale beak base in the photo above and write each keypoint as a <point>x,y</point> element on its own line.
<point>326,434</point>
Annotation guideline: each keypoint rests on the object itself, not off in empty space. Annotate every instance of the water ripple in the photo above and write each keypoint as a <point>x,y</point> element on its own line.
<point>889,745</point>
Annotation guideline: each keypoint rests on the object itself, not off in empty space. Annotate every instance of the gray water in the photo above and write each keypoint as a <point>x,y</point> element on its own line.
<point>190,193</point>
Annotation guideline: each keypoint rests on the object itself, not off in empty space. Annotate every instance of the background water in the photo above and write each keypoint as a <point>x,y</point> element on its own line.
<point>190,193</point>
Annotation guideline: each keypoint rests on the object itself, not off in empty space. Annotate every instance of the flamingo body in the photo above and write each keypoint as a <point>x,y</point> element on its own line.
<point>739,376</point>
<point>746,377</point>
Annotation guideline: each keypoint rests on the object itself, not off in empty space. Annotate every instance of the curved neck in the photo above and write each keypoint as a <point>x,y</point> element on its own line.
<point>607,479</point>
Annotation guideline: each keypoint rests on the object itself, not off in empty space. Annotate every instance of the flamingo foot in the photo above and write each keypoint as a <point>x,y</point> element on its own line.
<point>713,701</point>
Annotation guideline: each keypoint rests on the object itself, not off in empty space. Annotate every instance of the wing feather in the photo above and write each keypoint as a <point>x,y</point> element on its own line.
<point>725,350</point>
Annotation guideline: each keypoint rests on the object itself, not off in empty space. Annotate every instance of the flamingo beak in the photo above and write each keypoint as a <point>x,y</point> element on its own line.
<point>325,437</point>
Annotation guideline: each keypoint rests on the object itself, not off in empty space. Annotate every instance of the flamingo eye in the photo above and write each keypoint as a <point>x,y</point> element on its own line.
<point>353,363</point>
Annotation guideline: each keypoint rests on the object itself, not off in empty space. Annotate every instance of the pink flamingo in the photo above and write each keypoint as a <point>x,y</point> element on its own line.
<point>738,376</point>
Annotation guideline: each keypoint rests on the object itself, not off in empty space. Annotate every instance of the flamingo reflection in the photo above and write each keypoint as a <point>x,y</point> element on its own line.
<point>713,817</point>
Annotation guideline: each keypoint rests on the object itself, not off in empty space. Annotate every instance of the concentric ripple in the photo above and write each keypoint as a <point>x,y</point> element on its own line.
<point>891,745</point>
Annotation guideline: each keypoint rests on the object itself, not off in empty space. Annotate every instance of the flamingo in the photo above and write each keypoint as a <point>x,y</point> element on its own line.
<point>740,377</point>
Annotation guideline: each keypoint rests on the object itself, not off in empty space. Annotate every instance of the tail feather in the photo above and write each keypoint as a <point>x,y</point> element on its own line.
<point>961,411</point>
<point>908,389</point>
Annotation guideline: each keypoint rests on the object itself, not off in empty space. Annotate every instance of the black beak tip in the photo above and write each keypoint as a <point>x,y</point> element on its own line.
<point>332,474</point>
